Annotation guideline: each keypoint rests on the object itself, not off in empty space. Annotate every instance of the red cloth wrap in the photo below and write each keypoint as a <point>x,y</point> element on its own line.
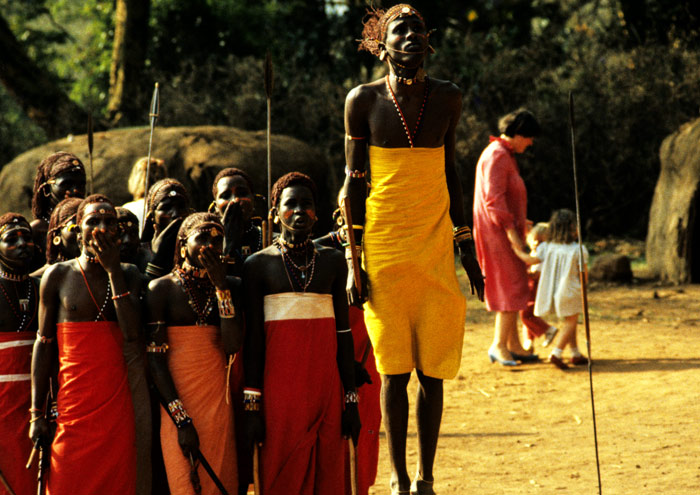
<point>198,368</point>
<point>367,449</point>
<point>15,395</point>
<point>94,448</point>
<point>304,448</point>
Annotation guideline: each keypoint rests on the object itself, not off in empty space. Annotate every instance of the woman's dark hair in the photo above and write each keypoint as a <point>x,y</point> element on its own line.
<point>562,227</point>
<point>189,224</point>
<point>60,216</point>
<point>521,122</point>
<point>230,172</point>
<point>49,168</point>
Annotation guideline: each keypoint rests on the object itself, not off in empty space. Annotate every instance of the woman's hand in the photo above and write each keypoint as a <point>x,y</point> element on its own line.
<point>211,261</point>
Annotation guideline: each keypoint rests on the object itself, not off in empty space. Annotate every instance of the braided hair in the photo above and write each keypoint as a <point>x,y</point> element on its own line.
<point>49,168</point>
<point>376,22</point>
<point>190,225</point>
<point>60,216</point>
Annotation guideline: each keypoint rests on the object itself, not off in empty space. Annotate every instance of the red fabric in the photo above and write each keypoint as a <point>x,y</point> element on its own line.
<point>367,450</point>
<point>304,449</point>
<point>15,446</point>
<point>94,448</point>
<point>536,326</point>
<point>500,202</point>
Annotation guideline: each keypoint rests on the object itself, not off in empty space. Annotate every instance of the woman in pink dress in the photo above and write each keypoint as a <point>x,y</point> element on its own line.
<point>500,220</point>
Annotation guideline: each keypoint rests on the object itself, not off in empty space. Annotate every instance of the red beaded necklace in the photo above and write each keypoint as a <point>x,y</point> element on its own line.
<point>410,136</point>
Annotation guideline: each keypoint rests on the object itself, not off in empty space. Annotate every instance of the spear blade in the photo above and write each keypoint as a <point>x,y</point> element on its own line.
<point>90,146</point>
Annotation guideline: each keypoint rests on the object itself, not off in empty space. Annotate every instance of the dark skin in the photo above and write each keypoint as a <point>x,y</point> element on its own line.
<point>370,114</point>
<point>68,184</point>
<point>167,302</point>
<point>64,297</point>
<point>234,203</point>
<point>16,252</point>
<point>264,273</point>
<point>167,217</point>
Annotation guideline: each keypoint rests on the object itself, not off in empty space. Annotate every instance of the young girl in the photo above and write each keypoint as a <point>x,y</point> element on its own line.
<point>559,288</point>
<point>534,326</point>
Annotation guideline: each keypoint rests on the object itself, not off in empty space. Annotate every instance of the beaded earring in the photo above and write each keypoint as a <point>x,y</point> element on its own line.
<point>276,220</point>
<point>183,252</point>
<point>382,55</point>
<point>56,240</point>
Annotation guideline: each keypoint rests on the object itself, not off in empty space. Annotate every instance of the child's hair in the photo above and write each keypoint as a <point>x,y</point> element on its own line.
<point>538,233</point>
<point>562,227</point>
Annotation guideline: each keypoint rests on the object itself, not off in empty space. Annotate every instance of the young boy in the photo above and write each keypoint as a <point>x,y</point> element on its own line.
<point>298,352</point>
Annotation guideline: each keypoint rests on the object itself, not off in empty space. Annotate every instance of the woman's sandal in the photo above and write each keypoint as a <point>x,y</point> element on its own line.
<point>422,487</point>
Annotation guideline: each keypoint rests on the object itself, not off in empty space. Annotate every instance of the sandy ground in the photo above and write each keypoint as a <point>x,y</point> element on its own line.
<point>530,430</point>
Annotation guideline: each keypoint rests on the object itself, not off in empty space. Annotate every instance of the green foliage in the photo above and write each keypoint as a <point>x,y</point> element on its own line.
<point>632,65</point>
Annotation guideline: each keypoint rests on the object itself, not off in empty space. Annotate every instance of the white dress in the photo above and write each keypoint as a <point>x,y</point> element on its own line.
<point>559,288</point>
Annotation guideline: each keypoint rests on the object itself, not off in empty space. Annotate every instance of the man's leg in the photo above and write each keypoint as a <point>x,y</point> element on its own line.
<point>394,400</point>
<point>428,418</point>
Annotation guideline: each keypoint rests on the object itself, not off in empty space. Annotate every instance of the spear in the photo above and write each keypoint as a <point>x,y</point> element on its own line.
<point>584,289</point>
<point>153,115</point>
<point>90,143</point>
<point>6,484</point>
<point>268,94</point>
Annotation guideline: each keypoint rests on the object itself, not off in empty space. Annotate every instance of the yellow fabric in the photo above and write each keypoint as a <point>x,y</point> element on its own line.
<point>415,312</point>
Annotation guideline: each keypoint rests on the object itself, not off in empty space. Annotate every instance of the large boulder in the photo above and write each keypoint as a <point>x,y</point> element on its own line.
<point>674,234</point>
<point>194,156</point>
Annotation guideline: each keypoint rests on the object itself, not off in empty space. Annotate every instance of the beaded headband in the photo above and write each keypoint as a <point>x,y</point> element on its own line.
<point>214,230</point>
<point>15,222</point>
<point>101,211</point>
<point>403,11</point>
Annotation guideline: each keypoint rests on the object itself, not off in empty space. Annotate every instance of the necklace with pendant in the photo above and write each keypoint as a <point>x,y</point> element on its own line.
<point>409,135</point>
<point>202,311</point>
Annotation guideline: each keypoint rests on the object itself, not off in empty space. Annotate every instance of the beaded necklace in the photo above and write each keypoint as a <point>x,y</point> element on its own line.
<point>184,279</point>
<point>22,305</point>
<point>410,136</point>
<point>13,277</point>
<point>290,266</point>
<point>100,309</point>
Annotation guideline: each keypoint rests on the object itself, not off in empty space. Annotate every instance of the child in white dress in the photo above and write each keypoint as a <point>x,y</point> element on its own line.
<point>559,289</point>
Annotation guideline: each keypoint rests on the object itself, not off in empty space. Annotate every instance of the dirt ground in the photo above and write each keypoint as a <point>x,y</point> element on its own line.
<point>529,430</point>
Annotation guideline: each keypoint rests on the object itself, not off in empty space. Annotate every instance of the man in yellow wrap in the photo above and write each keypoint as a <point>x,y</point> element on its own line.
<point>405,124</point>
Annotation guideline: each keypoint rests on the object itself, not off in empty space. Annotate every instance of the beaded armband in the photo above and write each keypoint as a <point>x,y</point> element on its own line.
<point>157,349</point>
<point>119,296</point>
<point>351,397</point>
<point>44,340</point>
<point>252,399</point>
<point>355,174</point>
<point>178,414</point>
<point>353,138</point>
<point>226,309</point>
<point>462,233</point>
<point>53,411</point>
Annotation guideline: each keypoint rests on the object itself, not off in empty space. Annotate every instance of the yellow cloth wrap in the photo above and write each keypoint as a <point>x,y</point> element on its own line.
<point>415,311</point>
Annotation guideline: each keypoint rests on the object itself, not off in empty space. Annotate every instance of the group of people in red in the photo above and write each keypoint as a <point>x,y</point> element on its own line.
<point>120,325</point>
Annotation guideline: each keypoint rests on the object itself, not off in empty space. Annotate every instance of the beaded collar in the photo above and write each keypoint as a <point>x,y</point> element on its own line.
<point>13,277</point>
<point>89,257</point>
<point>191,271</point>
<point>298,246</point>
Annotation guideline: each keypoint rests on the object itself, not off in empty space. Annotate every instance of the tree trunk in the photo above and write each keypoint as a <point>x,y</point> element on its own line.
<point>128,57</point>
<point>36,91</point>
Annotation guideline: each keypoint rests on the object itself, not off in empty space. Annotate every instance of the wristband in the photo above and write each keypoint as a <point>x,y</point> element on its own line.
<point>178,414</point>
<point>119,296</point>
<point>462,233</point>
<point>226,309</point>
<point>351,397</point>
<point>252,399</point>
<point>157,349</point>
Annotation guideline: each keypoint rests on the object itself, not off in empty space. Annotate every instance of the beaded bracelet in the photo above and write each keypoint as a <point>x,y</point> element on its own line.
<point>157,349</point>
<point>252,399</point>
<point>119,296</point>
<point>351,397</point>
<point>154,270</point>
<point>226,309</point>
<point>34,420</point>
<point>355,174</point>
<point>462,233</point>
<point>178,414</point>
<point>43,340</point>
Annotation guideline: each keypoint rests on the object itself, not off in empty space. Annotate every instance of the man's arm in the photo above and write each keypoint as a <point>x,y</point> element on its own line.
<point>355,185</point>
<point>157,338</point>
<point>44,352</point>
<point>463,235</point>
<point>345,354</point>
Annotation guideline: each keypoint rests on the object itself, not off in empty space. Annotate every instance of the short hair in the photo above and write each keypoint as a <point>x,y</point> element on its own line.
<point>189,224</point>
<point>519,122</point>
<point>137,177</point>
<point>292,179</point>
<point>230,172</point>
<point>125,215</point>
<point>60,216</point>
<point>160,190</point>
<point>562,227</point>
<point>93,198</point>
<point>376,22</point>
<point>49,168</point>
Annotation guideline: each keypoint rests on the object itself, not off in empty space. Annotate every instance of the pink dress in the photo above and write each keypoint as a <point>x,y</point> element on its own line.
<point>500,202</point>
